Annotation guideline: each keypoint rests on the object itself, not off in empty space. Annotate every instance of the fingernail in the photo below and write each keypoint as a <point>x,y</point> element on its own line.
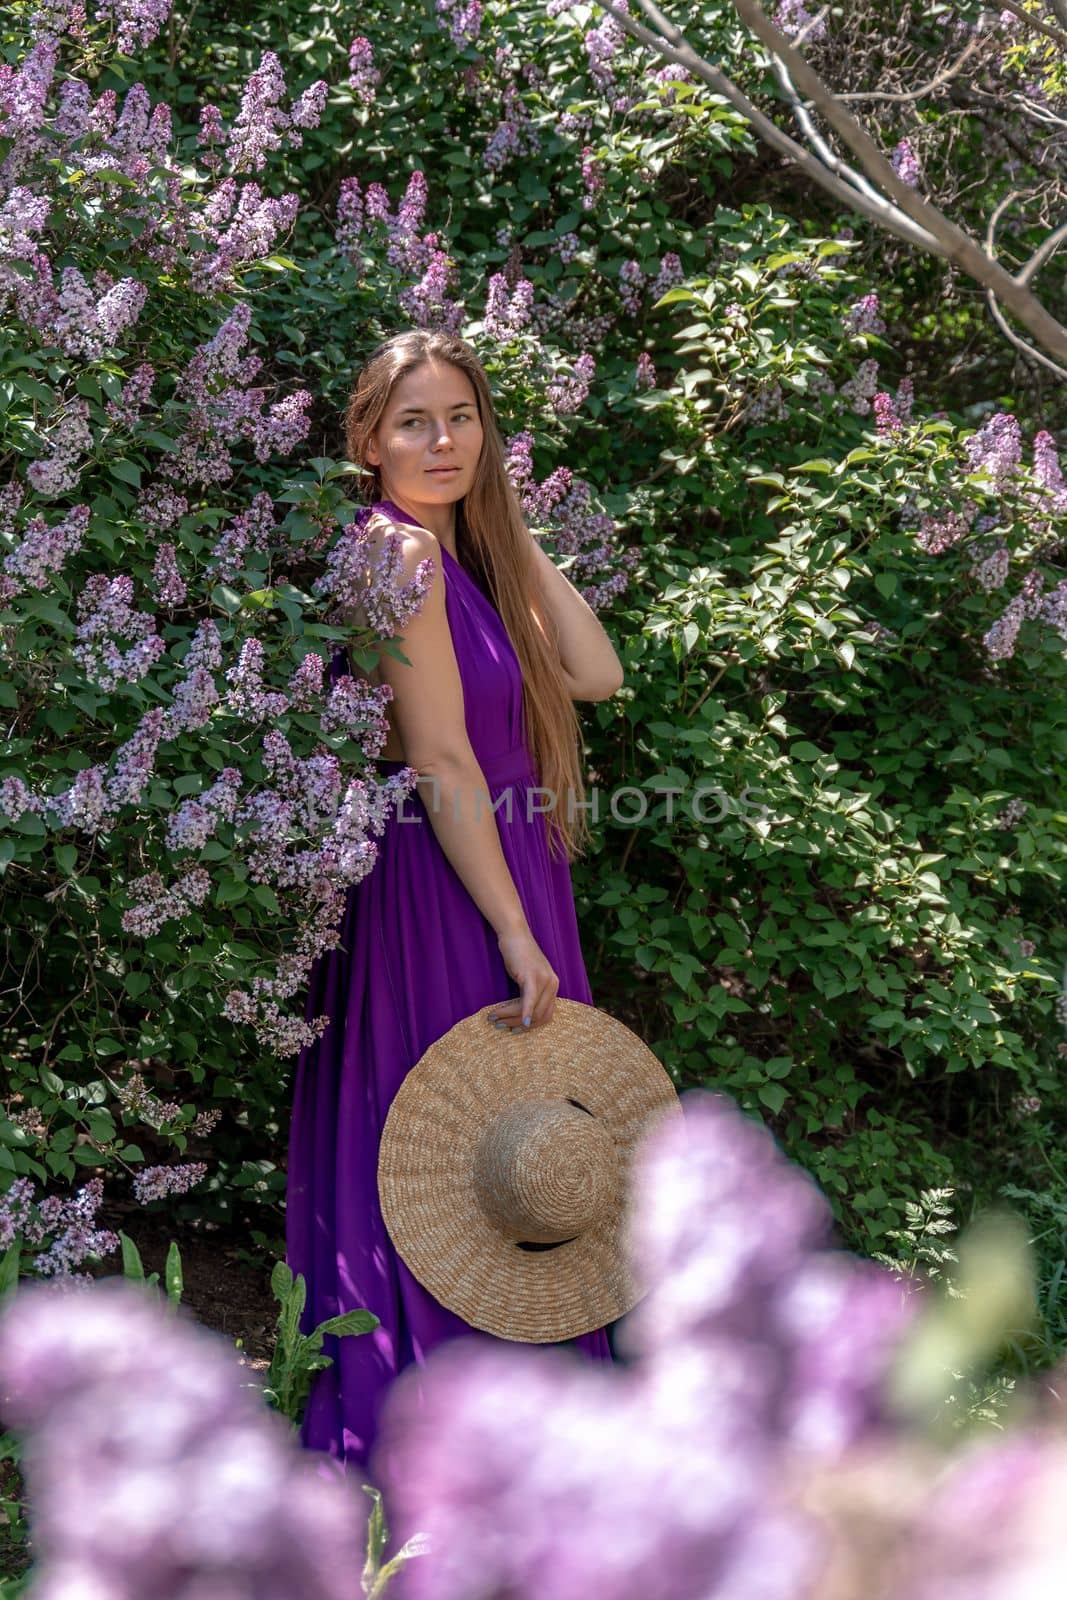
<point>526,1022</point>
<point>499,1024</point>
<point>491,1019</point>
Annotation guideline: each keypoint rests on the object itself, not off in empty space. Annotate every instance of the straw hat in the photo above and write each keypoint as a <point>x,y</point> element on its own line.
<point>503,1170</point>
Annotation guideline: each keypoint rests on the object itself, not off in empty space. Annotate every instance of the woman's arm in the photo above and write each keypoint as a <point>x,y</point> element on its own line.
<point>429,714</point>
<point>590,665</point>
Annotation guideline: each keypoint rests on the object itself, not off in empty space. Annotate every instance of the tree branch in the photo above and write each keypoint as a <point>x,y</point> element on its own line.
<point>930,229</point>
<point>1032,20</point>
<point>1029,269</point>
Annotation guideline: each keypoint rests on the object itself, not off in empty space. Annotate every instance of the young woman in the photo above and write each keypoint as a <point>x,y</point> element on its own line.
<point>470,897</point>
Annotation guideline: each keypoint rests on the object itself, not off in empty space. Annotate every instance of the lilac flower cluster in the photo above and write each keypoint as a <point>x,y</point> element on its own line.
<point>387,605</point>
<point>195,820</point>
<point>155,903</point>
<point>861,389</point>
<point>409,251</point>
<point>631,286</point>
<point>137,22</point>
<point>996,449</point>
<point>602,43</point>
<point>670,275</point>
<point>1002,637</point>
<point>563,505</point>
<point>70,1222</point>
<point>243,226</point>
<point>224,411</point>
<point>106,616</point>
<point>567,394</point>
<point>134,1096</point>
<point>155,1183</point>
<point>905,163</point>
<point>253,529</point>
<point>938,533</point>
<point>462,18</point>
<point>514,136</point>
<point>125,1412</point>
<point>645,372</point>
<point>592,178</point>
<point>248,697</point>
<point>757,1355</point>
<point>195,693</point>
<point>83,325</point>
<point>170,587</point>
<point>261,125</point>
<point>43,551</point>
<point>792,16</point>
<point>1013,812</point>
<point>136,394</point>
<point>72,439</point>
<point>507,310</point>
<point>357,709</point>
<point>363,75</point>
<point>863,316</point>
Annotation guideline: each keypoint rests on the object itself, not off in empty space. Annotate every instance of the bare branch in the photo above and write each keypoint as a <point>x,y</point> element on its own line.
<point>934,231</point>
<point>944,76</point>
<point>991,299</point>
<point>1044,251</point>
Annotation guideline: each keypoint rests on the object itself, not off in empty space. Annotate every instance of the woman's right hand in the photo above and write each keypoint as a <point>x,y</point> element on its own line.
<point>531,969</point>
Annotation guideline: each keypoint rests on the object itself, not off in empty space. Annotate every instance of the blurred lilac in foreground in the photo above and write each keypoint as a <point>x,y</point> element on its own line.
<point>754,1348</point>
<point>152,1473</point>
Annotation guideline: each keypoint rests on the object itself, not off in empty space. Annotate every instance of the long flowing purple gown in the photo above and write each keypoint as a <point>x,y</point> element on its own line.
<point>416,956</point>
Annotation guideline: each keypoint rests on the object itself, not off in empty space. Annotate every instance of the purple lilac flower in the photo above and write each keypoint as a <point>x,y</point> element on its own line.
<point>247,696</point>
<point>428,303</point>
<point>126,1411</point>
<point>996,449</point>
<point>631,286</point>
<point>136,394</point>
<point>462,18</point>
<point>937,534</point>
<point>24,89</point>
<point>592,178</point>
<point>645,372</point>
<point>507,310</point>
<point>515,135</point>
<point>43,551</point>
<point>793,15</point>
<point>253,529</point>
<point>71,439</point>
<point>137,22</point>
<point>169,585</point>
<point>905,163</point>
<point>670,275</point>
<point>861,389</point>
<point>195,820</point>
<point>349,217</point>
<point>16,798</point>
<point>251,234</point>
<point>601,45</point>
<point>69,1220</point>
<point>886,420</point>
<point>1048,474</point>
<point>863,316</point>
<point>363,75</point>
<point>155,1183</point>
<point>259,125</point>
<point>387,604</point>
<point>107,616</point>
<point>568,394</point>
<point>156,903</point>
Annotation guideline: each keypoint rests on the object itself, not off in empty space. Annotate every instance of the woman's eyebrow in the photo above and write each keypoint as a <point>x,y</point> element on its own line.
<point>467,405</point>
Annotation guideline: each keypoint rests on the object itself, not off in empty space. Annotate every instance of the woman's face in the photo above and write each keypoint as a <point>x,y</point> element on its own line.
<point>430,423</point>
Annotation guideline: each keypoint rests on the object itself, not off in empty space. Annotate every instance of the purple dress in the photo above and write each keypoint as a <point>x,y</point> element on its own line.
<point>416,957</point>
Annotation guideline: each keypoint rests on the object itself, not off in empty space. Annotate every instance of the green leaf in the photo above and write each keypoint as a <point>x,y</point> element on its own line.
<point>773,1096</point>
<point>127,472</point>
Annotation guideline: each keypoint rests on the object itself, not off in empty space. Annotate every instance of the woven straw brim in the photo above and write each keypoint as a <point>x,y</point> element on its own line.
<point>426,1164</point>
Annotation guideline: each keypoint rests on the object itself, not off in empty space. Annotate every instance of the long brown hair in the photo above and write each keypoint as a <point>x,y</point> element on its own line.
<point>493,543</point>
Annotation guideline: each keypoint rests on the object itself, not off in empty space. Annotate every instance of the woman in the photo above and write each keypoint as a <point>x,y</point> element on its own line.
<point>463,897</point>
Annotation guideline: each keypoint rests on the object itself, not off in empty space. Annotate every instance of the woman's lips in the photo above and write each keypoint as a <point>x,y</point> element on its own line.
<point>441,470</point>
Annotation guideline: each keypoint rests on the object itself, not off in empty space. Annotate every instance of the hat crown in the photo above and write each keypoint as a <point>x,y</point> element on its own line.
<point>545,1170</point>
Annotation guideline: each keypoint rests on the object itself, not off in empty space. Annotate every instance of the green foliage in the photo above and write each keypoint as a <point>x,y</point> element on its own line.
<point>296,1356</point>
